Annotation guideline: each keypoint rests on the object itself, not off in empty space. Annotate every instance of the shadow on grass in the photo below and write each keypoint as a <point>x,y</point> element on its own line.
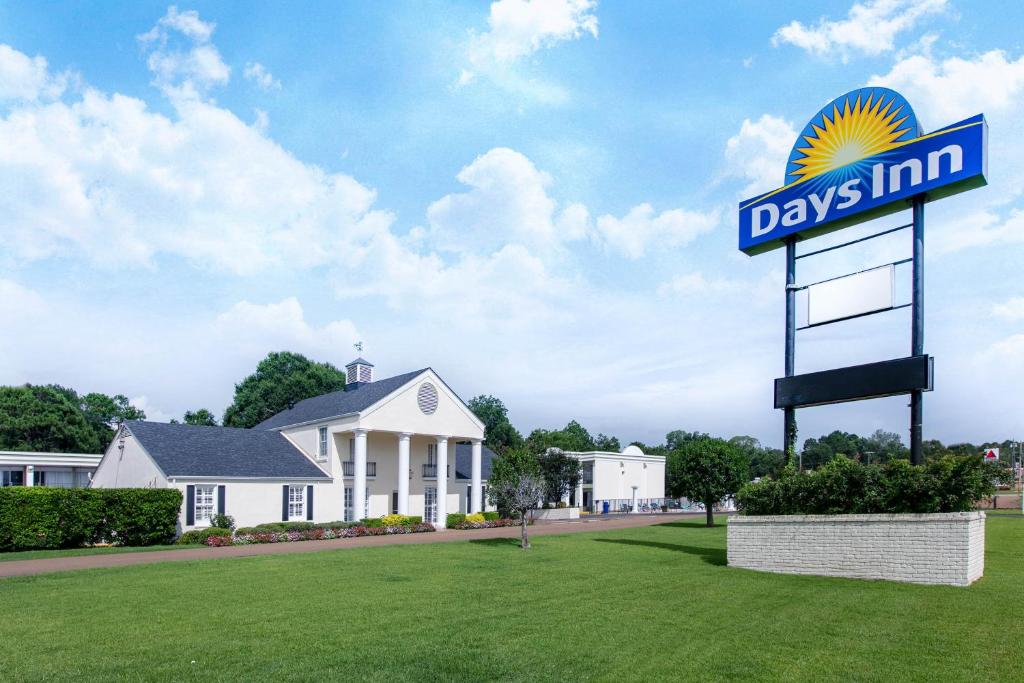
<point>498,542</point>
<point>715,556</point>
<point>693,525</point>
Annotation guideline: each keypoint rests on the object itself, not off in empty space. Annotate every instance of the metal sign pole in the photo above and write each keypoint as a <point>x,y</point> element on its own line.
<point>917,329</point>
<point>789,414</point>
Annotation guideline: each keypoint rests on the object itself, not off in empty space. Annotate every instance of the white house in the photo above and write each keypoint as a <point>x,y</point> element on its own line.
<point>405,444</point>
<point>629,480</point>
<point>62,470</point>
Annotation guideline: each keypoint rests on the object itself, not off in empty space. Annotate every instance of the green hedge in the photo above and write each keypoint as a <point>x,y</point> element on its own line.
<point>844,486</point>
<point>455,518</point>
<point>39,517</point>
<point>200,535</point>
<point>285,526</point>
<point>491,516</point>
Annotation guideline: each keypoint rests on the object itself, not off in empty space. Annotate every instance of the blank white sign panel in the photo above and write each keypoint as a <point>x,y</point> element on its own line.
<point>852,295</point>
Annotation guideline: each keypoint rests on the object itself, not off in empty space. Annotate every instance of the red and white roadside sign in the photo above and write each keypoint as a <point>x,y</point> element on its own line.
<point>991,454</point>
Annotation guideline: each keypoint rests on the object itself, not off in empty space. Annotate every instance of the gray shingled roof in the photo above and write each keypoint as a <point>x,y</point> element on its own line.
<point>338,402</point>
<point>464,461</point>
<point>360,361</point>
<point>187,450</point>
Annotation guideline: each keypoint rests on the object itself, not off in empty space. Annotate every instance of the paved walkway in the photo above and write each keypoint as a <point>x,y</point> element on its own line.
<point>60,564</point>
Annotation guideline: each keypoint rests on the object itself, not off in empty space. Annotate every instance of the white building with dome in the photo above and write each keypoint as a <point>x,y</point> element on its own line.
<point>627,480</point>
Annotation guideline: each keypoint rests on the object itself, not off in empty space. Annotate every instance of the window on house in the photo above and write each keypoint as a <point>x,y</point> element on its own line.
<point>13,478</point>
<point>430,505</point>
<point>351,450</point>
<point>394,502</point>
<point>62,479</point>
<point>483,497</point>
<point>322,446</point>
<point>469,499</point>
<point>431,453</point>
<point>204,504</point>
<point>348,503</point>
<point>296,502</point>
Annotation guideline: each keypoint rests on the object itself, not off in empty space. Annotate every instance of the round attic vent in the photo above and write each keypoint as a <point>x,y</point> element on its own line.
<point>426,397</point>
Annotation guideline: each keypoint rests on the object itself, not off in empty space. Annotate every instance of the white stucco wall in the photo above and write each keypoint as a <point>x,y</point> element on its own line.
<point>132,468</point>
<point>615,475</point>
<point>254,502</point>
<point>942,548</point>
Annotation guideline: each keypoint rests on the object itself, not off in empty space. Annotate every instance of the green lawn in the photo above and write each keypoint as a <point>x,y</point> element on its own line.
<point>44,554</point>
<point>650,604</point>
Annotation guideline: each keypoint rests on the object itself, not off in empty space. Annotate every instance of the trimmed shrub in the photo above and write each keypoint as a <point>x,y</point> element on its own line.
<point>329,525</point>
<point>487,524</point>
<point>371,523</point>
<point>454,519</point>
<point>843,486</point>
<point>393,520</point>
<point>412,520</point>
<point>223,521</point>
<point>202,535</point>
<point>40,517</point>
<point>285,526</point>
<point>491,516</point>
<point>475,517</point>
<point>317,534</point>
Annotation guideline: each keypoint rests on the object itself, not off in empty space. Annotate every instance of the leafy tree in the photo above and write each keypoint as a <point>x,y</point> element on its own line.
<point>607,443</point>
<point>764,461</point>
<point>201,418</point>
<point>43,418</point>
<point>499,434</point>
<point>561,473</point>
<point>676,439</point>
<point>516,486</point>
<point>706,470</point>
<point>883,446</point>
<point>281,379</point>
<point>102,412</point>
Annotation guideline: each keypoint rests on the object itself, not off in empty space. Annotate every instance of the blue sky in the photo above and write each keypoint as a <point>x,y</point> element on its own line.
<point>536,199</point>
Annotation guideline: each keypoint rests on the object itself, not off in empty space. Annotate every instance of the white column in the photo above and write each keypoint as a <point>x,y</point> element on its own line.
<point>359,478</point>
<point>30,479</point>
<point>442,482</point>
<point>579,493</point>
<point>403,473</point>
<point>477,503</point>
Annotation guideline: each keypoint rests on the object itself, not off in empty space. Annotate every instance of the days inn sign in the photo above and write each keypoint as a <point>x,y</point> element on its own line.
<point>861,157</point>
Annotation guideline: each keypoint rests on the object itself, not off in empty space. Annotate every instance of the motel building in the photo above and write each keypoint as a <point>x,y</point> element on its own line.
<point>60,470</point>
<point>405,444</point>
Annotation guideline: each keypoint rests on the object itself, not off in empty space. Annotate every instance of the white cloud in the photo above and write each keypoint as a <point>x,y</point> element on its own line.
<point>869,28</point>
<point>28,78</point>
<point>643,227</point>
<point>258,74</point>
<point>507,202</point>
<point>104,175</point>
<point>945,91</point>
<point>758,153</point>
<point>1011,309</point>
<point>185,64</point>
<point>692,284</point>
<point>518,29</point>
<point>980,228</point>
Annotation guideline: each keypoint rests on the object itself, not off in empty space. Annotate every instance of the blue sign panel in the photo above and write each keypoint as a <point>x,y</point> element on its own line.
<point>863,156</point>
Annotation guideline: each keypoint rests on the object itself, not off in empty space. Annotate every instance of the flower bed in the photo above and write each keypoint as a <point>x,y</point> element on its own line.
<point>486,524</point>
<point>316,534</point>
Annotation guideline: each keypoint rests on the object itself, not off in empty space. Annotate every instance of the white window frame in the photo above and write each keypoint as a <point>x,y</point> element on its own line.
<point>296,502</point>
<point>205,500</point>
<point>349,503</point>
<point>322,444</point>
<point>430,509</point>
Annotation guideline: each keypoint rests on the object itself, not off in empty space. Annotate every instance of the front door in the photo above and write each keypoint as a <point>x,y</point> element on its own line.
<point>430,505</point>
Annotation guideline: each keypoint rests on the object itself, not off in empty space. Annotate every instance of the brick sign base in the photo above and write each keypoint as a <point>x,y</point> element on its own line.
<point>942,548</point>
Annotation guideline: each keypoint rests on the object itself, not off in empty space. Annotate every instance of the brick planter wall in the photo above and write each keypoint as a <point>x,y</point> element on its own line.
<point>940,548</point>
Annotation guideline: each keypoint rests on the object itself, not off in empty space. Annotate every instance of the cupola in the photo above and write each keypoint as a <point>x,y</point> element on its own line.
<point>358,373</point>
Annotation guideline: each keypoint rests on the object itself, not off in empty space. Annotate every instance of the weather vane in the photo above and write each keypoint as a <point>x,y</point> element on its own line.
<point>358,346</point>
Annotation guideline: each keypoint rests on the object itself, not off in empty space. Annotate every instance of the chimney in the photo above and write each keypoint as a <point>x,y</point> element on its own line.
<point>358,373</point>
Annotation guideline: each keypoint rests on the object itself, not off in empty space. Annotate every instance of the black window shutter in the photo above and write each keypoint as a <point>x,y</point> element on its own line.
<point>309,502</point>
<point>190,505</point>
<point>284,504</point>
<point>220,500</point>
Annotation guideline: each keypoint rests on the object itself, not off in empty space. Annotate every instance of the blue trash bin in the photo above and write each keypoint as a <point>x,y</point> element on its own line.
<point>604,508</point>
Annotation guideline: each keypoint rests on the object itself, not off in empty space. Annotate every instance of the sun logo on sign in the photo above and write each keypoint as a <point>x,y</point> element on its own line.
<point>858,126</point>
